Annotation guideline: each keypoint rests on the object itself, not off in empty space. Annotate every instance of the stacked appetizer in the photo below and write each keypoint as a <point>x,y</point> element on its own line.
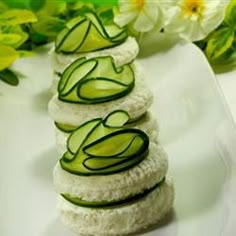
<point>111,177</point>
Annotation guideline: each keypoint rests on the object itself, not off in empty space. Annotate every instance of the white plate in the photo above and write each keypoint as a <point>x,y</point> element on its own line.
<point>196,131</point>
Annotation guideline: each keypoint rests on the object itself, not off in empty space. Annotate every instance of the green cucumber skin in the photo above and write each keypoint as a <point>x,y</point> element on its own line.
<point>122,161</point>
<point>140,156</point>
<point>105,172</point>
<point>115,43</point>
<point>57,48</point>
<point>79,62</point>
<point>85,51</point>
<point>102,100</point>
<point>62,129</point>
<point>113,112</point>
<point>90,101</point>
<point>105,205</point>
<point>99,122</point>
<point>104,122</point>
<point>131,130</point>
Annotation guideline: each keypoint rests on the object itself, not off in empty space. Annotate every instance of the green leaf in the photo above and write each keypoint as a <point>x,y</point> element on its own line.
<point>49,26</point>
<point>9,39</point>
<point>17,3</point>
<point>53,8</point>
<point>106,14</point>
<point>9,77</point>
<point>18,31</point>
<point>80,8</point>
<point>219,42</point>
<point>230,15</point>
<point>36,5</point>
<point>7,56</point>
<point>3,7</point>
<point>38,39</point>
<point>16,17</point>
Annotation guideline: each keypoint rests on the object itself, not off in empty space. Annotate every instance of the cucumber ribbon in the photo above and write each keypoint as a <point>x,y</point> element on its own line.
<point>104,146</point>
<point>96,80</point>
<point>87,34</point>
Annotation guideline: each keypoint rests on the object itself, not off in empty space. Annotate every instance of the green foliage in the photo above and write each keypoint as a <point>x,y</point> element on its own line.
<point>9,77</point>
<point>26,24</point>
<point>16,17</point>
<point>49,26</point>
<point>12,37</point>
<point>219,46</point>
<point>219,42</point>
<point>7,56</point>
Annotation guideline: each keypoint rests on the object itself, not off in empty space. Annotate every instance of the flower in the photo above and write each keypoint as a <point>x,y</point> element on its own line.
<point>193,20</point>
<point>141,15</point>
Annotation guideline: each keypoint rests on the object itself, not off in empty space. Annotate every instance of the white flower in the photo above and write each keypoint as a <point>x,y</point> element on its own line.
<point>194,19</point>
<point>142,15</point>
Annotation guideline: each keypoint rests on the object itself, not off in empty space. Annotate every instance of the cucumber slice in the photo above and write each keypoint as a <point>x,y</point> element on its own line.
<point>86,34</point>
<point>115,144</point>
<point>115,152</point>
<point>95,80</point>
<point>100,89</point>
<point>68,157</point>
<point>78,73</point>
<point>65,128</point>
<point>116,119</point>
<point>110,204</point>
<point>77,138</point>
<point>67,72</point>
<point>101,147</point>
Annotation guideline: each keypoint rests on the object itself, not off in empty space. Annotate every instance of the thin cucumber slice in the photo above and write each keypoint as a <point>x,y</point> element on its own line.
<point>87,34</point>
<point>115,152</point>
<point>116,119</point>
<point>95,80</point>
<point>68,157</point>
<point>61,37</point>
<point>110,204</point>
<point>100,89</point>
<point>101,147</point>
<point>114,32</point>
<point>79,135</point>
<point>67,72</point>
<point>115,144</point>
<point>75,21</point>
<point>65,128</point>
<point>75,37</point>
<point>78,73</point>
<point>94,41</point>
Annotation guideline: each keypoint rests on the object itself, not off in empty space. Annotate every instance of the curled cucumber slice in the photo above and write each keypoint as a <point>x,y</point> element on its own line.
<point>101,147</point>
<point>87,33</point>
<point>117,119</point>
<point>95,80</point>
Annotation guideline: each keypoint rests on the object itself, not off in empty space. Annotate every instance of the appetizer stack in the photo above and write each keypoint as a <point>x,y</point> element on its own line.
<point>111,177</point>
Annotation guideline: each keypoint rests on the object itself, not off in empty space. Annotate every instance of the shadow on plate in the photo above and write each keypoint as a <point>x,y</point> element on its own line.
<point>40,101</point>
<point>154,43</point>
<point>43,165</point>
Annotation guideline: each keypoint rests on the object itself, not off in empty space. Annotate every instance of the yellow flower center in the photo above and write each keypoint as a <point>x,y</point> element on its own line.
<point>193,7</point>
<point>139,4</point>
